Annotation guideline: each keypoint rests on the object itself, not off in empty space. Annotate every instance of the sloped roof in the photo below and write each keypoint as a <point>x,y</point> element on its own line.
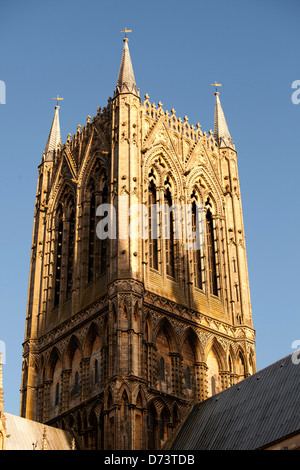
<point>25,434</point>
<point>262,409</point>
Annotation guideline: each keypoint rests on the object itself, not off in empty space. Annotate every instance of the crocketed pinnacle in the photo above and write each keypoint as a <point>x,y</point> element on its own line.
<point>54,139</point>
<point>126,80</point>
<point>221,132</point>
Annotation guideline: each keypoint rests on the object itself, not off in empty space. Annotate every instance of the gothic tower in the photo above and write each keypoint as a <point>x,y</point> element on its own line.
<point>138,302</point>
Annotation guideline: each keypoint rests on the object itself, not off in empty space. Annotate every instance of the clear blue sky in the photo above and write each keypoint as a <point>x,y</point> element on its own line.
<point>73,48</point>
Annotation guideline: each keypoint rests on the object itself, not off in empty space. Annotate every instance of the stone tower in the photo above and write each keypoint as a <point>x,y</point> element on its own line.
<point>129,321</point>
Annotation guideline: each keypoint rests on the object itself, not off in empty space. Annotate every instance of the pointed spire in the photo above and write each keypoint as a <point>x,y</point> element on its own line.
<point>54,139</point>
<point>221,132</point>
<point>126,80</point>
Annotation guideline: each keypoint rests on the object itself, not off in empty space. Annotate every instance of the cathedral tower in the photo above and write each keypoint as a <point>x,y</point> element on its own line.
<point>138,301</point>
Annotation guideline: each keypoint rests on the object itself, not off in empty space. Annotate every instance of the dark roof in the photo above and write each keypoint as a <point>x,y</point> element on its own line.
<point>255,412</point>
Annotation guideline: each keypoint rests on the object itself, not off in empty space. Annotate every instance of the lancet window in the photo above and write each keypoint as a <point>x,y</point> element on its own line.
<point>91,247</point>
<point>71,241</point>
<point>58,261</point>
<point>152,226</point>
<point>196,228</point>
<point>211,254</point>
<point>103,243</point>
<point>169,234</point>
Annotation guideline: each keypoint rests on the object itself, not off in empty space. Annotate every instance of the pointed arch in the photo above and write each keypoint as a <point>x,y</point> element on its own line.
<point>211,253</point>
<point>148,326</point>
<point>92,166</point>
<point>54,368</point>
<point>71,247</point>
<point>92,335</point>
<point>169,229</point>
<point>73,345</point>
<point>91,233</point>
<point>139,419</point>
<point>215,361</point>
<point>124,411</point>
<point>58,254</point>
<point>240,364</point>
<point>164,326</point>
<point>205,183</point>
<point>152,225</point>
<point>141,399</point>
<point>53,358</point>
<point>152,425</point>
<point>197,239</point>
<point>124,314</point>
<point>190,335</point>
<point>166,343</point>
<point>175,415</point>
<point>251,362</point>
<point>164,422</point>
<point>190,351</point>
<point>158,155</point>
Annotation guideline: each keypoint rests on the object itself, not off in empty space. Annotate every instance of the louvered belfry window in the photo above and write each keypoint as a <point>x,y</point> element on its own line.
<point>91,248</point>
<point>196,252</point>
<point>169,234</point>
<point>211,255</point>
<point>152,227</point>
<point>103,243</point>
<point>71,252</point>
<point>58,263</point>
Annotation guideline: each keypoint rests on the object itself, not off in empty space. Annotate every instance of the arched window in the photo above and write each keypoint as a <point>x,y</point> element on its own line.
<point>162,369</point>
<point>57,394</point>
<point>153,232</point>
<point>91,236</point>
<point>58,263</point>
<point>124,406</point>
<point>71,252</point>
<point>188,378</point>
<point>169,235</point>
<point>96,374</point>
<point>103,243</point>
<point>212,268</point>
<point>76,385</point>
<point>163,425</point>
<point>240,366</point>
<point>213,385</point>
<point>196,252</point>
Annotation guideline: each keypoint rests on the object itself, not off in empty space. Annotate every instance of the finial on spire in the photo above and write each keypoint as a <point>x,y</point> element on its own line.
<point>57,99</point>
<point>216,85</point>
<point>126,31</point>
